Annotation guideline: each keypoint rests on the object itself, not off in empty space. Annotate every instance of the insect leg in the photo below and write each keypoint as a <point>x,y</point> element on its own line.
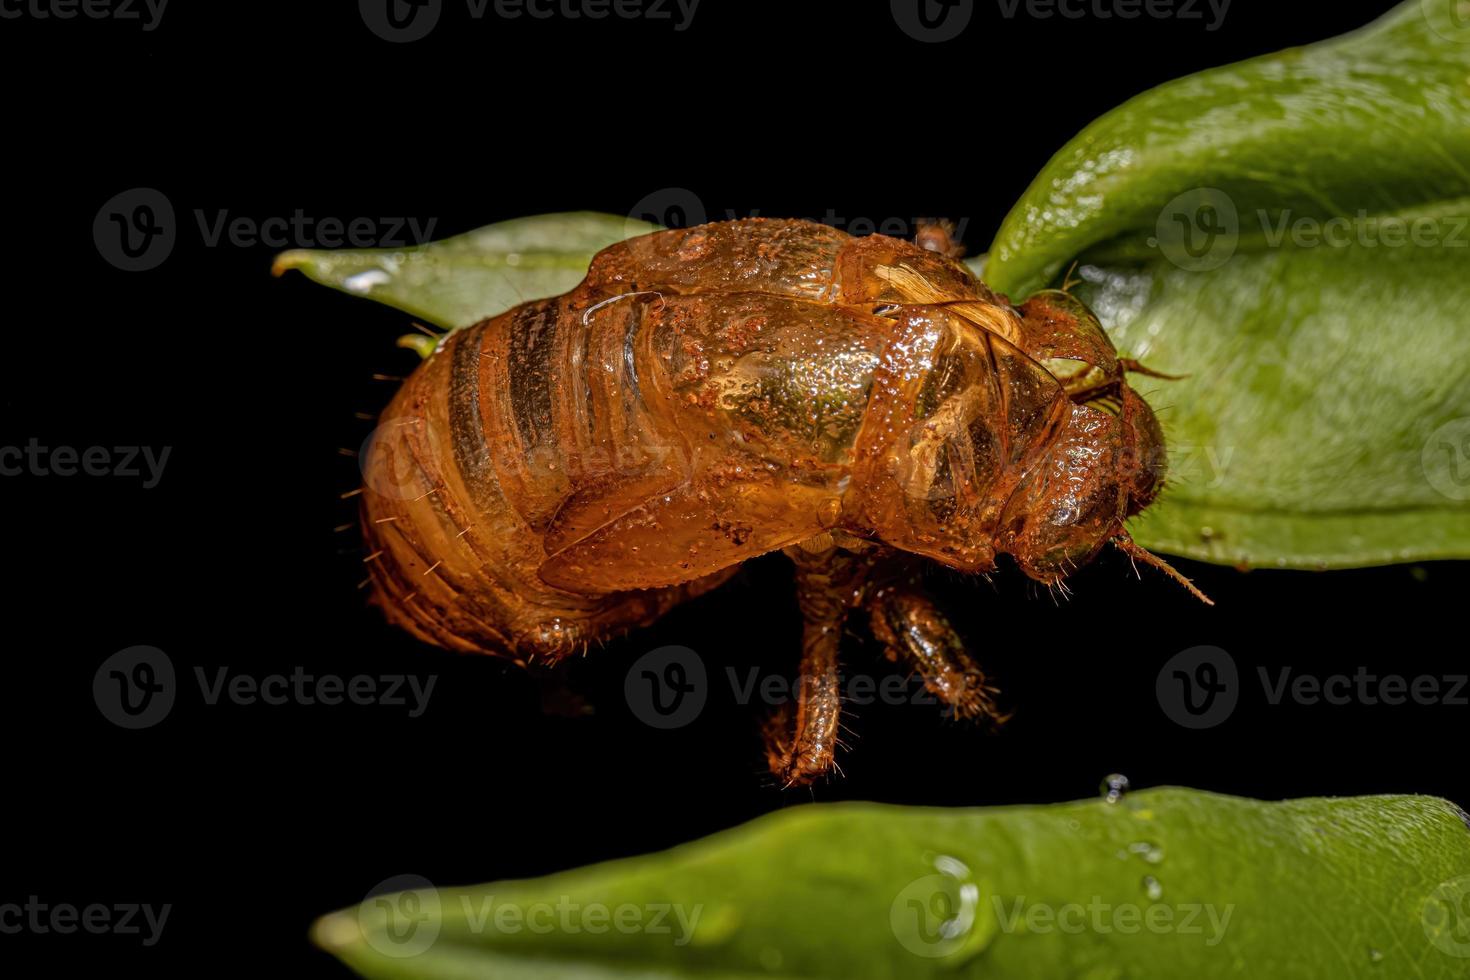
<point>915,632</point>
<point>800,743</point>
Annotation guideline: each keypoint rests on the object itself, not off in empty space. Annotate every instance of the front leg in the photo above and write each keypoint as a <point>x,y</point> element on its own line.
<point>800,744</point>
<point>915,632</point>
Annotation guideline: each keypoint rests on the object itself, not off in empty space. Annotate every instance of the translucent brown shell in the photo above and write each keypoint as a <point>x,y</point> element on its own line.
<point>576,466</point>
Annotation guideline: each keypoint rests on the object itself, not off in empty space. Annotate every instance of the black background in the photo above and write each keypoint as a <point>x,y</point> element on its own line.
<point>252,820</point>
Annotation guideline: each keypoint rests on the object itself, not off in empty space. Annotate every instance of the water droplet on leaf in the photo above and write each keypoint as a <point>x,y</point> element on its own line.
<point>1114,786</point>
<point>1150,852</point>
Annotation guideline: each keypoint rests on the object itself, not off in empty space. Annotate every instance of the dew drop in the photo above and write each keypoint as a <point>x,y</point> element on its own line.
<point>1113,787</point>
<point>1150,852</point>
<point>1152,888</point>
<point>364,282</point>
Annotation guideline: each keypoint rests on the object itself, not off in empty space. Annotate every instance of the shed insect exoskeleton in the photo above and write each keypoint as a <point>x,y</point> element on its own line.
<point>578,465</point>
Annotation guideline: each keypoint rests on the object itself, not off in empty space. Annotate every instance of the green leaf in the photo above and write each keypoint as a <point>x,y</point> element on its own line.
<point>1168,883</point>
<point>1325,421</point>
<point>459,281</point>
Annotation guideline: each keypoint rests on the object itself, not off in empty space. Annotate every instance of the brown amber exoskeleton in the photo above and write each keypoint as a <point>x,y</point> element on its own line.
<point>578,465</point>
